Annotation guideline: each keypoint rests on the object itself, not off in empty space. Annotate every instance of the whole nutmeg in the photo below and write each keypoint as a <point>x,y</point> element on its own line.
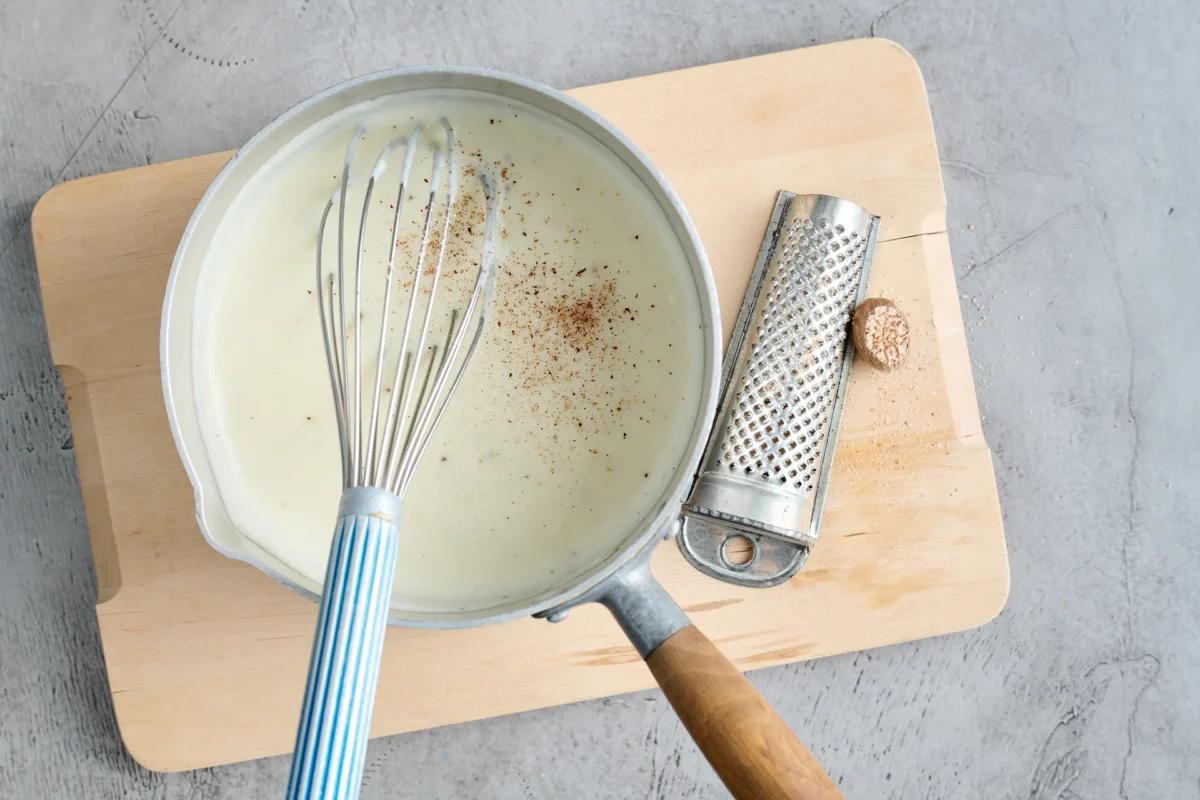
<point>880,333</point>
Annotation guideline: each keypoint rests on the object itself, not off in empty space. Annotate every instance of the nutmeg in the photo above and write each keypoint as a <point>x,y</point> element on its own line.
<point>880,333</point>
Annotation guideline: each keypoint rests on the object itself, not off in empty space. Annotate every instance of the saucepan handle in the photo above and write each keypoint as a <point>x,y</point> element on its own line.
<point>751,749</point>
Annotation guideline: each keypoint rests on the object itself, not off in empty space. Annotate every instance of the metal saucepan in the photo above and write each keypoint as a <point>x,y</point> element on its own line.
<point>752,750</point>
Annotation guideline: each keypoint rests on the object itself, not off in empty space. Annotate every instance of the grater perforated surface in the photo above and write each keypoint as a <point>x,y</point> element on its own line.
<point>766,469</point>
<point>783,403</point>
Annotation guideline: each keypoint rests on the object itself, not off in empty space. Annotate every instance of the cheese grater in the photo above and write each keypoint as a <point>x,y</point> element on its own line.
<point>755,507</point>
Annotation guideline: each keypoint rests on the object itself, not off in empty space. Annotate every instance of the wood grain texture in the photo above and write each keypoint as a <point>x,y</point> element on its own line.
<point>206,656</point>
<point>753,751</point>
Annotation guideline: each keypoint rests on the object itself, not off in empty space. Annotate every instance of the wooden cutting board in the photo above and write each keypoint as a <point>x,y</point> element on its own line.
<point>206,656</point>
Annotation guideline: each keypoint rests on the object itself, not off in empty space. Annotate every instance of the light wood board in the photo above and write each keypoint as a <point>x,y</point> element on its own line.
<point>206,656</point>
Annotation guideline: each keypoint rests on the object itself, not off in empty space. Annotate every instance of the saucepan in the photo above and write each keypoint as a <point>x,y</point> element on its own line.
<point>749,746</point>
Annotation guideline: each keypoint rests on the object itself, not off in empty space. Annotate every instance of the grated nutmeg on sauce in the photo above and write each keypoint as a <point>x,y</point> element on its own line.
<point>561,326</point>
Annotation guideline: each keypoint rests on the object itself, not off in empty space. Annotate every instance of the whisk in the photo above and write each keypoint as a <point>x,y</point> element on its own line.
<point>382,438</point>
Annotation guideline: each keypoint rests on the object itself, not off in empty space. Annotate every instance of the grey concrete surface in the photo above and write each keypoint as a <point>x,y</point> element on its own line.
<point>1069,137</point>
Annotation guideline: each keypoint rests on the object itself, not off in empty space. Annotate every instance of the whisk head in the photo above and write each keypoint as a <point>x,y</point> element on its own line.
<point>391,369</point>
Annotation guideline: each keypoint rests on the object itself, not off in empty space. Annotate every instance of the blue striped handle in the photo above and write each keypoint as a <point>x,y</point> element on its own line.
<point>331,741</point>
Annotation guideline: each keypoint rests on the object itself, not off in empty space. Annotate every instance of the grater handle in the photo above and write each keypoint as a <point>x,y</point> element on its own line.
<point>753,751</point>
<point>331,739</point>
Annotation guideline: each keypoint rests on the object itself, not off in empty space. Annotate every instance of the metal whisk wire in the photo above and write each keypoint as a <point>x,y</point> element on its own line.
<point>383,452</point>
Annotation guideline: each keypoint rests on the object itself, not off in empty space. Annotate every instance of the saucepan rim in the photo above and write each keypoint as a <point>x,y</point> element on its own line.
<point>178,302</point>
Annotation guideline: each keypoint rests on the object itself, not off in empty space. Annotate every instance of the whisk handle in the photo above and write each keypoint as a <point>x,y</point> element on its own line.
<point>331,739</point>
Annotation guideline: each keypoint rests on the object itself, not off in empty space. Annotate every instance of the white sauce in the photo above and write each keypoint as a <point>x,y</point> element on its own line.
<point>576,407</point>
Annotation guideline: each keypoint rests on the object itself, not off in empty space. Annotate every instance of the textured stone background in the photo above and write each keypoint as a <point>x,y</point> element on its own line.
<point>1069,136</point>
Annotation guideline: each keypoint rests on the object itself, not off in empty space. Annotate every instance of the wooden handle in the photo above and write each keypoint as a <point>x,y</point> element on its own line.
<point>750,747</point>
